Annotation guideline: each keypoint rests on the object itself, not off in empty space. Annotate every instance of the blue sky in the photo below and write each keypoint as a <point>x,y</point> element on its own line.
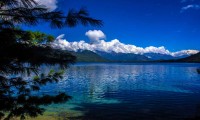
<point>174,24</point>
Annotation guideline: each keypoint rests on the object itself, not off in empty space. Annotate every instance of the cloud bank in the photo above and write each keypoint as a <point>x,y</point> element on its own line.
<point>51,4</point>
<point>115,45</point>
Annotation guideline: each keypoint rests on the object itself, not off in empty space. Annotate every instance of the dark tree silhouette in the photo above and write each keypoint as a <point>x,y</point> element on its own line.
<point>19,57</point>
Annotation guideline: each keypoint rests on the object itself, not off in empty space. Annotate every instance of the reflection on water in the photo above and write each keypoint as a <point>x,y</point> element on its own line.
<point>127,91</point>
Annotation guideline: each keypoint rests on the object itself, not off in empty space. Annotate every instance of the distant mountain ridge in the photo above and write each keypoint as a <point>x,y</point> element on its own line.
<point>123,57</point>
<point>88,56</point>
<point>193,58</point>
<point>158,56</point>
<point>98,56</point>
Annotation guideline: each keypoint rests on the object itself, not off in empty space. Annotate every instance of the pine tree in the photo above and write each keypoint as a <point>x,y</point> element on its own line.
<point>19,56</point>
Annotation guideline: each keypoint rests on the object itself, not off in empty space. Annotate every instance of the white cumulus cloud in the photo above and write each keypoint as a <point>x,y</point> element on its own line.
<point>112,46</point>
<point>95,35</point>
<point>51,4</point>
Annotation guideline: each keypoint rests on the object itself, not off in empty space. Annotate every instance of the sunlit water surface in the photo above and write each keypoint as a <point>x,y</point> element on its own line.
<point>140,91</point>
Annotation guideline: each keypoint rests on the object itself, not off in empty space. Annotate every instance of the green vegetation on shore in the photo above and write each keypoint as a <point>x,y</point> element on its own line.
<point>23,53</point>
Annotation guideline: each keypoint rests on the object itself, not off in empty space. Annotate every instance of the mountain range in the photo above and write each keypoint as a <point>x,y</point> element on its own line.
<point>122,57</point>
<point>193,59</point>
<point>88,56</point>
<point>99,56</point>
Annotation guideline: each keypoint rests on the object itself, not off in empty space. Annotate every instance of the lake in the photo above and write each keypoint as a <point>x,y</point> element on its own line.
<point>128,91</point>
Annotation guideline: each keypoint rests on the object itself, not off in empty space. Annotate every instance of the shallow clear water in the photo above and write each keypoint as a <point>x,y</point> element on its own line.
<point>140,91</point>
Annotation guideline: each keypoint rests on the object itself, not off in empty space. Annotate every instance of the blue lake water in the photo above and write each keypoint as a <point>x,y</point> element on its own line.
<point>138,91</point>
